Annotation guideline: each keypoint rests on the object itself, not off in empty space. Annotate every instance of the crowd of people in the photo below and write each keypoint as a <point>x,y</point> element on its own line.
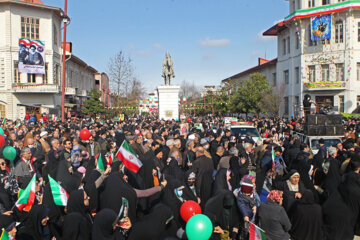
<point>275,182</point>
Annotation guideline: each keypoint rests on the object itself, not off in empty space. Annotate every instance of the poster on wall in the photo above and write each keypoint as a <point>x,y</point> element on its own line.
<point>31,56</point>
<point>321,27</point>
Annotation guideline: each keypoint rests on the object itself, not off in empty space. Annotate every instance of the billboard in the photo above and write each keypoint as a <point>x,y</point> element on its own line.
<point>31,56</point>
<point>321,27</point>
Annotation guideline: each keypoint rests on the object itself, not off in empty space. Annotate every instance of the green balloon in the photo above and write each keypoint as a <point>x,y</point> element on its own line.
<point>1,131</point>
<point>9,153</point>
<point>199,227</point>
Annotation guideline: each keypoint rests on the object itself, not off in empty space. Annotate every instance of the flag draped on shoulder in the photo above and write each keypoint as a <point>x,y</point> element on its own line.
<point>27,197</point>
<point>59,194</point>
<point>256,233</point>
<point>100,164</point>
<point>128,156</point>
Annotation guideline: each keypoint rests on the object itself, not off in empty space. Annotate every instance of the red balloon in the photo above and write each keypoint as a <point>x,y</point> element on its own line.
<point>2,140</point>
<point>189,209</point>
<point>85,134</point>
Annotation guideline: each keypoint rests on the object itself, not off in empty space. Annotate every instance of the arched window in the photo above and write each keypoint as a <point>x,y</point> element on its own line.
<point>339,31</point>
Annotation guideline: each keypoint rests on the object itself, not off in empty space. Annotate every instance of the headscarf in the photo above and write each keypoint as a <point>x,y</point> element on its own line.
<point>102,228</point>
<point>275,196</point>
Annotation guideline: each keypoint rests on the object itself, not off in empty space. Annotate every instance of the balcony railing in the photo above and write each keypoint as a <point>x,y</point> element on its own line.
<point>314,86</point>
<point>35,88</point>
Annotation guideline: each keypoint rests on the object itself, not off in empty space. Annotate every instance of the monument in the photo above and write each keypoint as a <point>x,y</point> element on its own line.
<point>168,94</point>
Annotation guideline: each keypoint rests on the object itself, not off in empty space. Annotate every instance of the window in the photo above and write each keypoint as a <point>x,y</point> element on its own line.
<point>358,71</point>
<point>325,73</point>
<point>30,28</point>
<point>339,72</point>
<point>311,3</point>
<point>286,105</point>
<point>31,78</point>
<point>288,44</point>
<point>357,100</point>
<point>56,74</point>
<point>297,75</point>
<point>311,71</point>
<point>297,41</point>
<point>46,76</point>
<point>284,46</point>
<point>274,79</point>
<point>341,103</point>
<point>339,31</point>
<point>325,2</point>
<point>297,101</point>
<point>2,111</point>
<point>55,35</point>
<point>286,76</point>
<point>325,41</point>
<point>311,42</point>
<point>16,72</point>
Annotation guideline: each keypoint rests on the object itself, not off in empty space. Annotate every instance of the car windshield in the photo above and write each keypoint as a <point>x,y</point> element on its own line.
<point>328,143</point>
<point>244,131</point>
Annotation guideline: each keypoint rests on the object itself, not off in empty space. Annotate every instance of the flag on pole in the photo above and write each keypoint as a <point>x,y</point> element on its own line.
<point>5,235</point>
<point>59,194</point>
<point>100,164</point>
<point>17,126</point>
<point>27,197</point>
<point>128,156</point>
<point>256,233</point>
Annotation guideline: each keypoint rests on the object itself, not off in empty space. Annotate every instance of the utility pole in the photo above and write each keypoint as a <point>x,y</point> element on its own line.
<point>63,63</point>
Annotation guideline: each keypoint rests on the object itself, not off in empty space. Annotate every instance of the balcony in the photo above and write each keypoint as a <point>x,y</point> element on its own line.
<point>327,86</point>
<point>70,91</point>
<point>35,88</point>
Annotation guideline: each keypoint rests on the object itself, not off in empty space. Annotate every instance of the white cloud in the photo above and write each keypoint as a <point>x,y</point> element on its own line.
<point>158,46</point>
<point>208,56</point>
<point>143,53</point>
<point>215,42</point>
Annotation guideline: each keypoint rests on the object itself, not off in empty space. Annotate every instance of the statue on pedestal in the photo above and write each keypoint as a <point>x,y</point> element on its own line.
<point>168,70</point>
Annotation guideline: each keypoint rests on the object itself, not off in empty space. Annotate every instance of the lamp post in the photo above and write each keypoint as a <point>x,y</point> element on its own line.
<point>63,63</point>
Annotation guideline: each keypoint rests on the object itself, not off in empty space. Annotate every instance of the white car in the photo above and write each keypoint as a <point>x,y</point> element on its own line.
<point>244,130</point>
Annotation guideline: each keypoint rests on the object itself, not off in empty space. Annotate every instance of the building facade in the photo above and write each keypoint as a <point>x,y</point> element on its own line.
<point>328,70</point>
<point>23,92</point>
<point>102,85</point>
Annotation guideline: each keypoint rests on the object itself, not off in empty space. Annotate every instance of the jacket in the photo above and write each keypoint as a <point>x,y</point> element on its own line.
<point>274,221</point>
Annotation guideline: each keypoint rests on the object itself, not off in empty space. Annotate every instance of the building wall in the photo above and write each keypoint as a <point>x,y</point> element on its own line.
<point>10,32</point>
<point>346,53</point>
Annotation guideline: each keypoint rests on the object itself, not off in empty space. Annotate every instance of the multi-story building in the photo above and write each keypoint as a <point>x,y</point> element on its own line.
<point>24,92</point>
<point>102,85</point>
<point>328,70</point>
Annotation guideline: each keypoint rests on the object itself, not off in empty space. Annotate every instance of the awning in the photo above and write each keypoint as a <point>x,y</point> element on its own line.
<point>33,105</point>
<point>69,105</point>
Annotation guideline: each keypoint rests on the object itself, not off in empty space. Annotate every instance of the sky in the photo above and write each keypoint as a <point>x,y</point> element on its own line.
<point>208,40</point>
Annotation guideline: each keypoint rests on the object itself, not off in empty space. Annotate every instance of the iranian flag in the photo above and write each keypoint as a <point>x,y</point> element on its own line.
<point>4,121</point>
<point>184,100</point>
<point>111,158</point>
<point>59,194</point>
<point>17,126</point>
<point>256,233</point>
<point>100,164</point>
<point>27,197</point>
<point>128,156</point>
<point>273,157</point>
<point>5,235</point>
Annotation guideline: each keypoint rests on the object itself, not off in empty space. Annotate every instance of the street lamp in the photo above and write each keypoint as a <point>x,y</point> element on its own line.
<point>65,20</point>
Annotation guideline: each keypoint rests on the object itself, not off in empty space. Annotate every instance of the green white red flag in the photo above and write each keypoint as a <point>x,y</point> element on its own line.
<point>5,235</point>
<point>100,164</point>
<point>27,197</point>
<point>256,233</point>
<point>128,156</point>
<point>59,194</point>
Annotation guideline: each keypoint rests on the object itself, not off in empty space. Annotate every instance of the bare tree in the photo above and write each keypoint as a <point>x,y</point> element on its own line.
<point>189,90</point>
<point>137,90</point>
<point>120,71</point>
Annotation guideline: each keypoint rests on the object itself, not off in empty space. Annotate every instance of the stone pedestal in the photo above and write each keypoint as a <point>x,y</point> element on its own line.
<point>168,102</point>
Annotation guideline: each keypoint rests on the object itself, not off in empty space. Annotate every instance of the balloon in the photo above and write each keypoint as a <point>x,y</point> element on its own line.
<point>9,153</point>
<point>2,140</point>
<point>85,134</point>
<point>189,209</point>
<point>1,131</point>
<point>199,227</point>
